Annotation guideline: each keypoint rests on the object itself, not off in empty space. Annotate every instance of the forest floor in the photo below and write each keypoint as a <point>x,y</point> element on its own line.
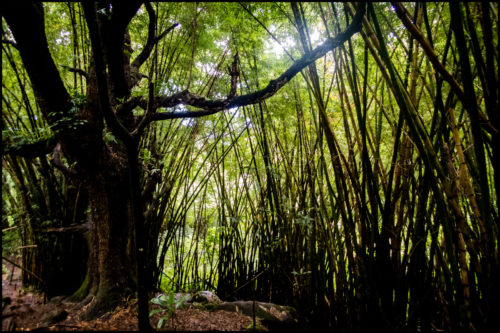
<point>26,311</point>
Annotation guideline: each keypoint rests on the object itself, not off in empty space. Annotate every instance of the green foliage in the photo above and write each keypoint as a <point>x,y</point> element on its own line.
<point>257,327</point>
<point>169,306</point>
<point>69,121</point>
<point>109,138</point>
<point>10,242</point>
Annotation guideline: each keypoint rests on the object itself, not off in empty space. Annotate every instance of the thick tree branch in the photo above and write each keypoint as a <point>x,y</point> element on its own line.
<point>146,51</point>
<point>212,106</point>
<point>113,33</point>
<point>72,228</point>
<point>150,43</point>
<point>32,43</point>
<point>95,38</point>
<point>30,150</point>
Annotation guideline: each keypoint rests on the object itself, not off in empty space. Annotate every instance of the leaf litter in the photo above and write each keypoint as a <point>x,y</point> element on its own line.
<point>24,310</point>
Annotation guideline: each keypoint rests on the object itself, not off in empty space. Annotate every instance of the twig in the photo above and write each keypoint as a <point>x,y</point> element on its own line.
<point>9,228</point>
<point>252,279</point>
<point>26,246</point>
<point>58,325</point>
<point>24,269</point>
<point>56,161</point>
<point>78,71</point>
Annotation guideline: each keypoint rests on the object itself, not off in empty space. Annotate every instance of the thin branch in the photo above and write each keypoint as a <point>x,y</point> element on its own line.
<point>146,51</point>
<point>269,32</point>
<point>149,110</point>
<point>56,161</point>
<point>30,150</point>
<point>152,39</point>
<point>163,34</point>
<point>72,228</point>
<point>78,71</point>
<point>24,269</point>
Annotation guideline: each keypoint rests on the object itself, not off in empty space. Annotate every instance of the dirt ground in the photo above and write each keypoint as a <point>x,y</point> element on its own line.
<point>26,311</point>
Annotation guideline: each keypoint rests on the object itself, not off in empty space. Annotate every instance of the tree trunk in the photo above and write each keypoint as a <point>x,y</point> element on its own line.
<point>110,235</point>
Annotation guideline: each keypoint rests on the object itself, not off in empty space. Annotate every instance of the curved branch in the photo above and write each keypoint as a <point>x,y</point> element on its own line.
<point>102,83</point>
<point>113,33</point>
<point>56,161</point>
<point>146,51</point>
<point>212,106</point>
<point>150,43</point>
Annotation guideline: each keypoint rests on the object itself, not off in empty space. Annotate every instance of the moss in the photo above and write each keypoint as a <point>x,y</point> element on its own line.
<point>82,291</point>
<point>105,301</point>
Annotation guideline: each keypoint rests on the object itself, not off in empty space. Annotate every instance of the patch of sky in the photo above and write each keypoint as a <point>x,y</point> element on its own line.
<point>63,38</point>
<point>222,43</point>
<point>188,122</point>
<point>233,110</point>
<point>315,37</point>
<point>248,122</point>
<point>273,47</point>
<point>136,46</point>
<point>170,88</point>
<point>209,67</point>
<point>180,108</point>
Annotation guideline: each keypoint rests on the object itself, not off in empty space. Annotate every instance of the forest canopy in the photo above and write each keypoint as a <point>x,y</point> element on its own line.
<point>340,158</point>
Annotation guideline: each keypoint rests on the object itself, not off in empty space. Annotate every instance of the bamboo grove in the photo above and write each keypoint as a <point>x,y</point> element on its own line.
<point>364,193</point>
